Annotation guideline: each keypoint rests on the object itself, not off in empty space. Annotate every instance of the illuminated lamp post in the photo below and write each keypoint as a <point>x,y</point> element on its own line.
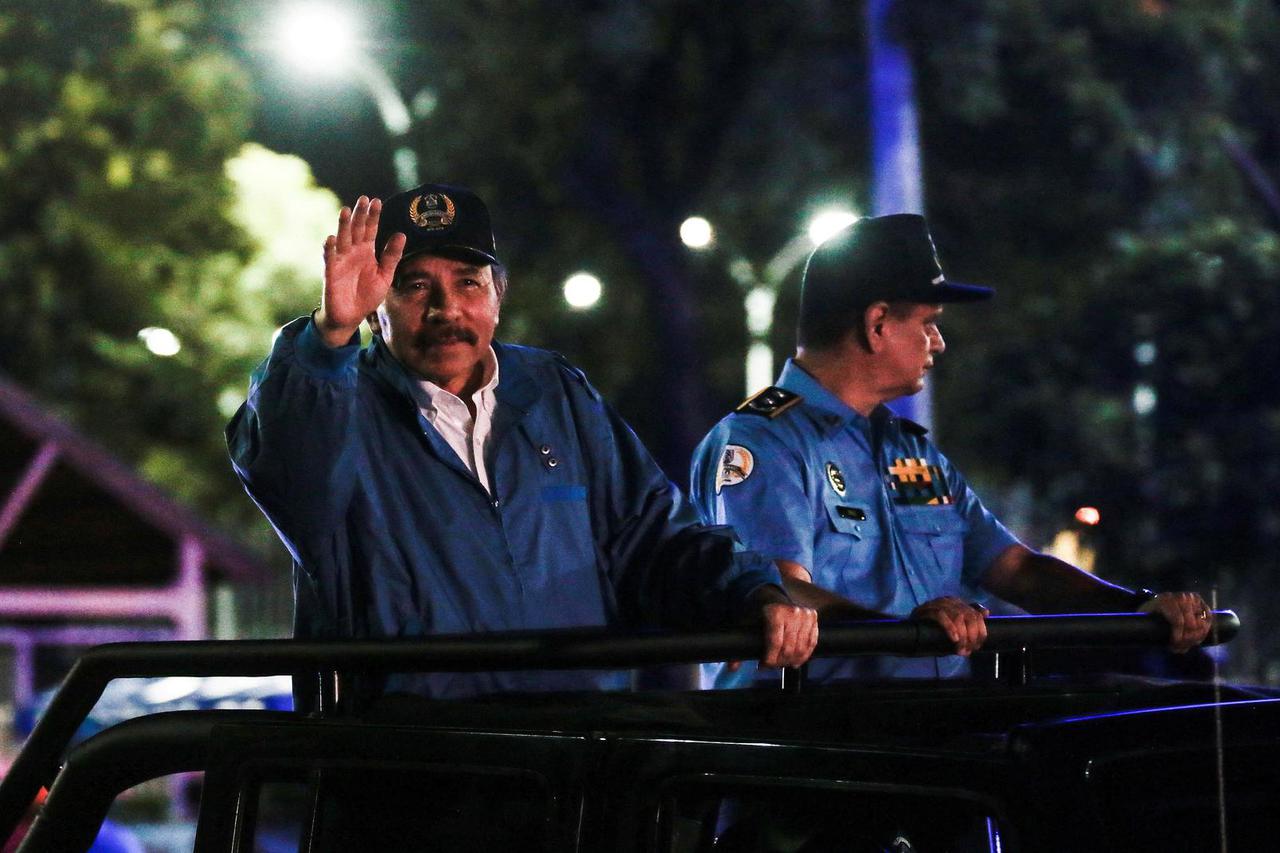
<point>760,285</point>
<point>318,39</point>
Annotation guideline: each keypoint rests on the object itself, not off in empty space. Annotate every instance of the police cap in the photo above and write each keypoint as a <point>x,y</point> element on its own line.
<point>890,258</point>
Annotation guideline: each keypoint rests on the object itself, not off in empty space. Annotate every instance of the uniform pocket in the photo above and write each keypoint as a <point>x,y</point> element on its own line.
<point>935,540</point>
<point>851,547</point>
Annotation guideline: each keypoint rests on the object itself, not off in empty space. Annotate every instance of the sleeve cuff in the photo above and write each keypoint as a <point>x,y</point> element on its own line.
<point>319,359</point>
<point>758,571</point>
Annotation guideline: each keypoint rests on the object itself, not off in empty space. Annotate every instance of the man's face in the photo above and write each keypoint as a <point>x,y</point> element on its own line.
<point>912,339</point>
<point>438,319</point>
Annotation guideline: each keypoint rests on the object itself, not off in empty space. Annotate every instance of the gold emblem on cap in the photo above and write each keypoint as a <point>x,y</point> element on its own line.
<point>432,211</point>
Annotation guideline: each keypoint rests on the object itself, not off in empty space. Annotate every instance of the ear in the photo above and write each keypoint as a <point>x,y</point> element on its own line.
<point>874,319</point>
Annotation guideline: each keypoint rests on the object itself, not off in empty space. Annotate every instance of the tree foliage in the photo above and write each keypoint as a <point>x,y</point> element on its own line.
<point>1111,167</point>
<point>117,123</point>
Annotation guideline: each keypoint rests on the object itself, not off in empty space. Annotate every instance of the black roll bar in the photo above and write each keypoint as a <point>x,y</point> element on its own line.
<point>592,648</point>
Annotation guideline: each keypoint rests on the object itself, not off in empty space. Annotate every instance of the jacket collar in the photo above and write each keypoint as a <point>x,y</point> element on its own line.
<point>517,388</point>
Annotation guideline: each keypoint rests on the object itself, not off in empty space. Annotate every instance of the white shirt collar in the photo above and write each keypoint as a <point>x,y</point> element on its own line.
<point>430,396</point>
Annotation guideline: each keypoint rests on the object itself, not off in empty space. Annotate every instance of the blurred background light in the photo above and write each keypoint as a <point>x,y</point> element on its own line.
<point>316,38</point>
<point>582,290</point>
<point>170,689</point>
<point>160,341</point>
<point>759,306</point>
<point>759,366</point>
<point>1088,515</point>
<point>696,233</point>
<point>828,223</point>
<point>1144,399</point>
<point>425,103</point>
<point>1145,353</point>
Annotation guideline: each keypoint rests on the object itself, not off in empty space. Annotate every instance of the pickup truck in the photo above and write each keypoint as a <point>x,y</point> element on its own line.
<point>1009,762</point>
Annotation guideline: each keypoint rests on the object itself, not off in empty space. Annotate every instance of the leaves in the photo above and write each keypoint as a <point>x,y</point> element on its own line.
<point>1136,258</point>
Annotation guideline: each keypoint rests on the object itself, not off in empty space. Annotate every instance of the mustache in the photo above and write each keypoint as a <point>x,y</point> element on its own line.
<point>445,335</point>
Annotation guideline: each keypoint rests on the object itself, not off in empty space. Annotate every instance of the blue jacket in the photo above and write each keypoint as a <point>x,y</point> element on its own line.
<point>392,536</point>
<point>868,505</point>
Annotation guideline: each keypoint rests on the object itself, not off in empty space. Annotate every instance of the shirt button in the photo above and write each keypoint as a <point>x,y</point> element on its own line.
<point>857,528</point>
<point>496,502</point>
<point>552,462</point>
<point>544,449</point>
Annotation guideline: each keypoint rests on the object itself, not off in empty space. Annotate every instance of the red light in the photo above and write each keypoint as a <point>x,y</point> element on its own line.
<point>1088,515</point>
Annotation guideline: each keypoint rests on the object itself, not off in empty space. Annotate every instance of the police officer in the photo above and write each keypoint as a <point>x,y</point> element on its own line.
<point>863,515</point>
<point>439,481</point>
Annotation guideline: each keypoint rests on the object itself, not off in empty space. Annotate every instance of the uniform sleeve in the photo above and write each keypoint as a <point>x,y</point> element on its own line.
<point>665,567</point>
<point>291,441</point>
<point>985,537</point>
<point>750,480</point>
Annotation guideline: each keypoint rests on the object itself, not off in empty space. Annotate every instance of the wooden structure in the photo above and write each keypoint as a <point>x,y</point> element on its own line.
<point>90,552</point>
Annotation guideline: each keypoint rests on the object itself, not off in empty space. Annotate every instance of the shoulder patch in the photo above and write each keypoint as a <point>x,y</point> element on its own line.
<point>770,402</point>
<point>736,464</point>
<point>912,427</point>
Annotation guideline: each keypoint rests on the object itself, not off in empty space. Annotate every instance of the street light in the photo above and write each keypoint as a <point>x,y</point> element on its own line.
<point>319,39</point>
<point>582,290</point>
<point>160,341</point>
<point>760,286</point>
<point>697,233</point>
<point>828,223</point>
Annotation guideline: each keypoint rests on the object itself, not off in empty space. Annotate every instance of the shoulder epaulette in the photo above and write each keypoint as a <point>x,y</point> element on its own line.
<point>770,402</point>
<point>912,427</point>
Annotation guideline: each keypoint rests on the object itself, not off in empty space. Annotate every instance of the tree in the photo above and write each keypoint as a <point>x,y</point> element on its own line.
<point>117,122</point>
<point>1109,166</point>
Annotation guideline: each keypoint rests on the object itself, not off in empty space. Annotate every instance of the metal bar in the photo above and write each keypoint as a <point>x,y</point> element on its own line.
<point>28,484</point>
<point>561,649</point>
<point>190,605</point>
<point>793,678</point>
<point>38,762</point>
<point>600,648</point>
<point>104,602</point>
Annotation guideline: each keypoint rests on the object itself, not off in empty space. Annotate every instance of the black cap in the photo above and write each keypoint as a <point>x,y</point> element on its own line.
<point>890,258</point>
<point>439,219</point>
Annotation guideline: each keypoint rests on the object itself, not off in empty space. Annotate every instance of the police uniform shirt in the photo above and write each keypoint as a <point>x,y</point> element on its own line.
<point>868,505</point>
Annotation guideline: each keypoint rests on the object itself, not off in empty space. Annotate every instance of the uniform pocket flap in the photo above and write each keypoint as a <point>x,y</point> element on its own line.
<point>851,519</point>
<point>932,520</point>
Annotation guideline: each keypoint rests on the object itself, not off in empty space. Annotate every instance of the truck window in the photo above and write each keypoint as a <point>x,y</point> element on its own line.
<point>458,809</point>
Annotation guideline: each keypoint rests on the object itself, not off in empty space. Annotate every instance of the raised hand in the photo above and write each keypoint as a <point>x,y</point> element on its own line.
<point>355,281</point>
